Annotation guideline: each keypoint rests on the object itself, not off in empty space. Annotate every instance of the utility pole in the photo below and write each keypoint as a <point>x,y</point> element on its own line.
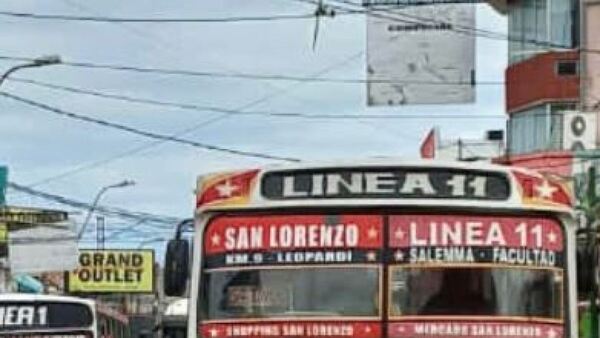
<point>592,202</point>
<point>100,238</point>
<point>592,198</point>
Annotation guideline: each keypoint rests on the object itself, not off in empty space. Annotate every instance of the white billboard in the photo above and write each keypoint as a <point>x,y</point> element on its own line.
<point>43,248</point>
<point>416,56</point>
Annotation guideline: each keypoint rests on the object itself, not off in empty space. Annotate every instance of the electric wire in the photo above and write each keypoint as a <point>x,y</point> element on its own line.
<point>144,133</point>
<point>307,79</point>
<point>406,18</point>
<point>121,155</point>
<point>251,76</point>
<point>396,16</point>
<point>63,17</point>
<point>34,240</point>
<point>261,100</point>
<point>167,221</point>
<point>194,107</point>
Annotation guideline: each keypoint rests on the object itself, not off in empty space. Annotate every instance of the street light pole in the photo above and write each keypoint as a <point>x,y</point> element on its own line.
<point>153,240</point>
<point>123,184</point>
<point>38,62</point>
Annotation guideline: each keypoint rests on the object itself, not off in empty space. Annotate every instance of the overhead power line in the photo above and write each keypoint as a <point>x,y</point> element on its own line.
<point>393,14</point>
<point>290,78</point>
<point>144,133</point>
<point>65,17</point>
<point>35,240</point>
<point>123,154</point>
<point>409,18</point>
<point>131,240</point>
<point>104,210</point>
<point>254,102</point>
<point>251,76</point>
<point>194,107</point>
<point>142,230</point>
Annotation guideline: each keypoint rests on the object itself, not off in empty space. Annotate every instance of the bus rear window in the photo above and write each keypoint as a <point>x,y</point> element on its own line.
<point>299,292</point>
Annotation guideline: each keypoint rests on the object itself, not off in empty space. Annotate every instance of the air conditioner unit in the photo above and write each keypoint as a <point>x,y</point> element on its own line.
<point>579,130</point>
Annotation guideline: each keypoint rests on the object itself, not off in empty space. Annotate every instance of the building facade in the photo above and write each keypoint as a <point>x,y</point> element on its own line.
<point>542,78</point>
<point>551,82</point>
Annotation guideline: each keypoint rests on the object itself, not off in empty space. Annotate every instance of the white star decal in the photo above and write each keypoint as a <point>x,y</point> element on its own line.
<point>552,237</point>
<point>399,256</point>
<point>399,234</point>
<point>226,189</point>
<point>215,240</point>
<point>372,233</point>
<point>371,256</point>
<point>545,190</point>
<point>552,333</point>
<point>214,332</point>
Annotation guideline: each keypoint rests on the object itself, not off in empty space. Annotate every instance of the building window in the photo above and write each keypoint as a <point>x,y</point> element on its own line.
<point>529,131</point>
<point>567,68</point>
<point>537,26</point>
<point>537,129</point>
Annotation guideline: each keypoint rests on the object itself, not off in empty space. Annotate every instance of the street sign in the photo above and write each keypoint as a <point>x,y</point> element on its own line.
<point>31,216</point>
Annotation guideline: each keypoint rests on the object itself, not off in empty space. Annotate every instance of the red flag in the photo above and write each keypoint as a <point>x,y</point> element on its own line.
<point>428,146</point>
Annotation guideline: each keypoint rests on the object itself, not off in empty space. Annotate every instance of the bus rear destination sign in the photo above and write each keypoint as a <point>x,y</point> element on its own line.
<point>385,183</point>
<point>16,316</point>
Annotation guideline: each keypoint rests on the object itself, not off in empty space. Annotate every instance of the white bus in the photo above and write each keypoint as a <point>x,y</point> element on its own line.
<point>380,249</point>
<point>49,316</point>
<point>37,316</point>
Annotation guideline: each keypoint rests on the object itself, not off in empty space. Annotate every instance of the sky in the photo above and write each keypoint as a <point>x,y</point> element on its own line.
<point>37,145</point>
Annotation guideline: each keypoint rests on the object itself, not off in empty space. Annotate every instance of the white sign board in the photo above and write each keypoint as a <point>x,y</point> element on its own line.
<point>43,248</point>
<point>416,56</point>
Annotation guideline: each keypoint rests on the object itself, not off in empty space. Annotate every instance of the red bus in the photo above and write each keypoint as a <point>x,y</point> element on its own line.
<point>380,249</point>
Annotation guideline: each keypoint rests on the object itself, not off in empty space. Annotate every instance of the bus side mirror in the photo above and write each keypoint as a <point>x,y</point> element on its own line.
<point>176,267</point>
<point>585,274</point>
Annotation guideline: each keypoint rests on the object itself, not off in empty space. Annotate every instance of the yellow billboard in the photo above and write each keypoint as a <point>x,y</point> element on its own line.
<point>3,240</point>
<point>114,271</point>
